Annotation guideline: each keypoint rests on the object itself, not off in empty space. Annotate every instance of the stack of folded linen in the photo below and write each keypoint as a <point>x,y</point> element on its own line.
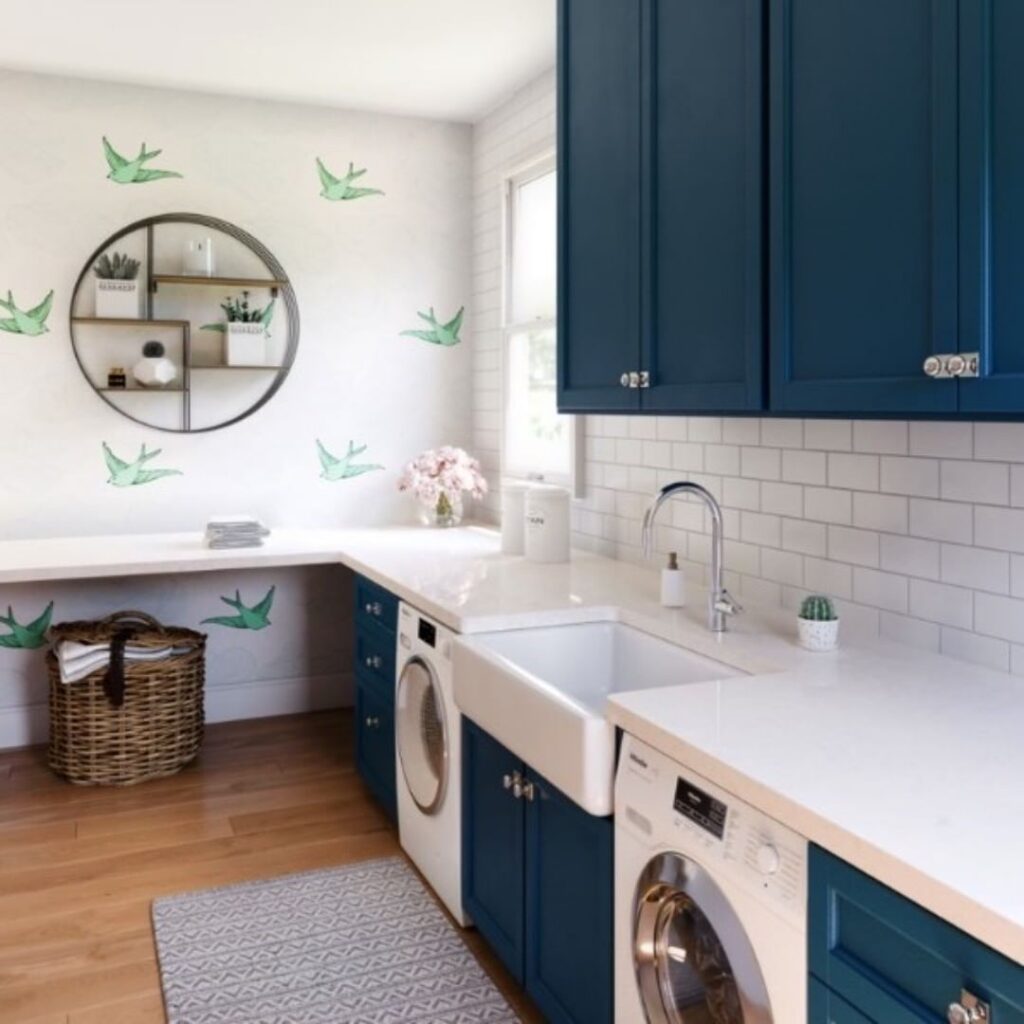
<point>235,532</point>
<point>77,660</point>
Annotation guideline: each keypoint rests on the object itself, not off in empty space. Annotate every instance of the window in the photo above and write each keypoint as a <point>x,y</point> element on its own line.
<point>538,442</point>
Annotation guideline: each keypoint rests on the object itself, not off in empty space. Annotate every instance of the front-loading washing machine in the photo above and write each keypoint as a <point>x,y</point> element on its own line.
<point>710,902</point>
<point>428,740</point>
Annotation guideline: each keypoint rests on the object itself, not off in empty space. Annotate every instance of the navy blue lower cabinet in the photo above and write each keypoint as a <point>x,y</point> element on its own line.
<point>375,745</point>
<point>825,1007</point>
<point>569,891</point>
<point>493,847</point>
<point>892,961</point>
<point>537,882</point>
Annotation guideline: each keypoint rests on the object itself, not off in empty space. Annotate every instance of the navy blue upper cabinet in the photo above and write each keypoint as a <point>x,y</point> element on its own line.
<point>864,205</point>
<point>661,194</point>
<point>599,203</point>
<point>703,331</point>
<point>992,203</point>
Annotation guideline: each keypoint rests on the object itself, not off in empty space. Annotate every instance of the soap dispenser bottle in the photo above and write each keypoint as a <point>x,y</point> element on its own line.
<point>673,583</point>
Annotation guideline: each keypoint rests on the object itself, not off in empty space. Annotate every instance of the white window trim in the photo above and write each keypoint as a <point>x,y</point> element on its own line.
<point>533,167</point>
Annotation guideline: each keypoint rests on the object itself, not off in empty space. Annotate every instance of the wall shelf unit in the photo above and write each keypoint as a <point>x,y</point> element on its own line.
<point>180,311</point>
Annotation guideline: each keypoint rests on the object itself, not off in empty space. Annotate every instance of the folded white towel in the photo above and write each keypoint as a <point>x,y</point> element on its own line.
<point>76,661</point>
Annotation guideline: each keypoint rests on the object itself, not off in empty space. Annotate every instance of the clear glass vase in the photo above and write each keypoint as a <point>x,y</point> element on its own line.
<point>446,511</point>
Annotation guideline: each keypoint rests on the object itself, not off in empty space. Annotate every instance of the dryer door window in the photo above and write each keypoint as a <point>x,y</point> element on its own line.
<point>694,963</point>
<point>421,735</point>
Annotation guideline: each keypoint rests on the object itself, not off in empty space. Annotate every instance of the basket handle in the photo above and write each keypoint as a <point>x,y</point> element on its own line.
<point>133,617</point>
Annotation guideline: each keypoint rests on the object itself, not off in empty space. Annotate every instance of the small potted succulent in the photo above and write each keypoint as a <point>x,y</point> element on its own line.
<point>818,624</point>
<point>154,369</point>
<point>438,478</point>
<point>245,329</point>
<point>118,295</point>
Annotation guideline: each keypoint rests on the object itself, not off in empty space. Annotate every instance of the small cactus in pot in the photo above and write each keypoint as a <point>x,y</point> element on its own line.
<point>818,624</point>
<point>118,291</point>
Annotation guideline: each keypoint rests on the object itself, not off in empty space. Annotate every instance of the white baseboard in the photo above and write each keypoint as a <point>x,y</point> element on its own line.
<point>28,725</point>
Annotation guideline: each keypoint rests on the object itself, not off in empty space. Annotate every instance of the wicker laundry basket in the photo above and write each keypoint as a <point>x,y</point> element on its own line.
<point>133,720</point>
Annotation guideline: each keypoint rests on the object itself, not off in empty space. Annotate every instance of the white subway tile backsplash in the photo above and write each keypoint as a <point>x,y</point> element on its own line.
<point>860,547</point>
<point>857,472</point>
<point>882,437</point>
<point>939,602</point>
<point>910,556</point>
<point>916,477</point>
<point>801,467</point>
<point>829,435</point>
<point>942,440</point>
<point>917,529</point>
<point>976,568</point>
<point>885,512</point>
<point>827,506</point>
<point>940,520</point>
<point>983,482</point>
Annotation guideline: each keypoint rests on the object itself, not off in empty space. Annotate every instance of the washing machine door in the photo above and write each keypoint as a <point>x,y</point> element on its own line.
<point>421,735</point>
<point>694,962</point>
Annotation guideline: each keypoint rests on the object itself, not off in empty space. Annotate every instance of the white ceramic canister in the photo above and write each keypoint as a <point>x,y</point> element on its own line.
<point>513,517</point>
<point>547,524</point>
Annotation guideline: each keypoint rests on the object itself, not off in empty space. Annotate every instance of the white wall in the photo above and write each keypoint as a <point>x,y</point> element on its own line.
<point>916,528</point>
<point>360,269</point>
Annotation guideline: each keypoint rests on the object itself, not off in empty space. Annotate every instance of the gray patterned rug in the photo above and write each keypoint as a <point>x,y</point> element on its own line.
<point>360,944</point>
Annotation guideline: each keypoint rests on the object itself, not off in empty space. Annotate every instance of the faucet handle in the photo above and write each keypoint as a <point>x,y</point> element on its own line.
<point>727,604</point>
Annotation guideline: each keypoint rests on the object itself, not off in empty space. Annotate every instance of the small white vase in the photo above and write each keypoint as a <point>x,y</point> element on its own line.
<point>816,635</point>
<point>245,344</point>
<point>154,372</point>
<point>118,300</point>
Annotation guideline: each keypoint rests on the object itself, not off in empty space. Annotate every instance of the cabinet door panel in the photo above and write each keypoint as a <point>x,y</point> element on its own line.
<point>992,203</point>
<point>599,203</point>
<point>864,204</point>
<point>825,1007</point>
<point>704,332</point>
<point>570,883</point>
<point>493,852</point>
<point>375,744</point>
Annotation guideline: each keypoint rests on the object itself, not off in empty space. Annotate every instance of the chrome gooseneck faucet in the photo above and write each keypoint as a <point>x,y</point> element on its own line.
<point>720,603</point>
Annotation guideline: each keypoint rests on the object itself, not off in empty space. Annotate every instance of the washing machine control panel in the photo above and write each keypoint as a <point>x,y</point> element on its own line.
<point>672,806</point>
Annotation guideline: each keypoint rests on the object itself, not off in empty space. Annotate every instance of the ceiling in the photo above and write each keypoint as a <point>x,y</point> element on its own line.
<point>448,59</point>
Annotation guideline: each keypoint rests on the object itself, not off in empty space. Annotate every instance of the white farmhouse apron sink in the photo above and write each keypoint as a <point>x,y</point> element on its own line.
<point>542,691</point>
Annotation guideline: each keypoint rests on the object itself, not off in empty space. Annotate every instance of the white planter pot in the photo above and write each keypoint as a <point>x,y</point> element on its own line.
<point>818,636</point>
<point>154,372</point>
<point>245,345</point>
<point>118,300</point>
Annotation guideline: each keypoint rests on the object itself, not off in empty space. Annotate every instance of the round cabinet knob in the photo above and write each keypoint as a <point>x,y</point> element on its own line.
<point>958,1014</point>
<point>767,859</point>
<point>956,365</point>
<point>624,380</point>
<point>933,366</point>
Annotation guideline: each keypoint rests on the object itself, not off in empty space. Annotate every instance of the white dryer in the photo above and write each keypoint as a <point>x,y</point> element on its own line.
<point>710,902</point>
<point>428,742</point>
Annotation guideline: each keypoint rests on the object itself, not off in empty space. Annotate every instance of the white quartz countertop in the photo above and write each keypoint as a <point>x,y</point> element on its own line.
<point>906,764</point>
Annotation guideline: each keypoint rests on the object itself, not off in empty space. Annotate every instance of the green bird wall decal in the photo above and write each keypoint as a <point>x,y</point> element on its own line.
<point>439,334</point>
<point>28,637</point>
<point>337,189</point>
<point>247,618</point>
<point>344,468</point>
<point>31,322</point>
<point>132,172</point>
<point>132,474</point>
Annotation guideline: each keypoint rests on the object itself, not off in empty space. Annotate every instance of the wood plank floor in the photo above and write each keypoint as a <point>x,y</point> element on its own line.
<point>79,867</point>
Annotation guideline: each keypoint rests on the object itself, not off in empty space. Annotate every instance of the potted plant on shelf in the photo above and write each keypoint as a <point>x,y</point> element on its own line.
<point>818,624</point>
<point>438,478</point>
<point>246,329</point>
<point>118,295</point>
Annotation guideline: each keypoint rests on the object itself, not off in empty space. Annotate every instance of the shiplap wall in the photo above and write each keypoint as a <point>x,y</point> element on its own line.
<point>917,529</point>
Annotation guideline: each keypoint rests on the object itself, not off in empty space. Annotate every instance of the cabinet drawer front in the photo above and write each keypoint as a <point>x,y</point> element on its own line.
<point>375,660</point>
<point>895,961</point>
<point>375,604</point>
<point>375,746</point>
<point>825,1007</point>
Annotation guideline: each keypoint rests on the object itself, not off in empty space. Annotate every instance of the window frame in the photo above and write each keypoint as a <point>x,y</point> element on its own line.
<point>536,166</point>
